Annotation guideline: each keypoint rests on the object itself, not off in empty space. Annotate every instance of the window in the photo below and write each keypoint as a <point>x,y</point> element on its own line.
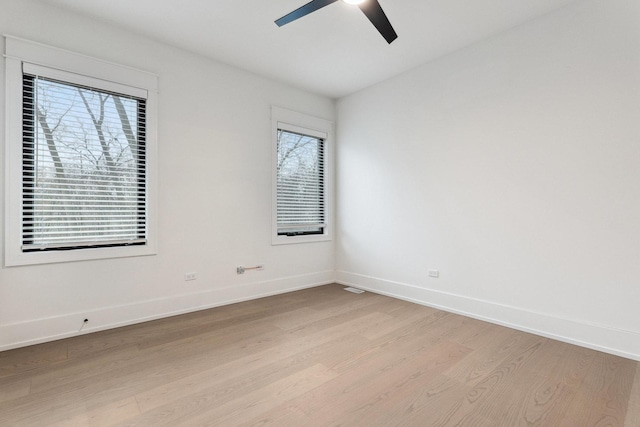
<point>300,184</point>
<point>85,145</point>
<point>301,204</point>
<point>83,166</point>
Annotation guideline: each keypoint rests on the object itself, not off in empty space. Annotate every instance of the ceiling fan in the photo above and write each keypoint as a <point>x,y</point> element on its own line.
<point>371,8</point>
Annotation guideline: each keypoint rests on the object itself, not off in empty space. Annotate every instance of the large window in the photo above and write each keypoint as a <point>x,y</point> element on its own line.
<point>83,166</point>
<point>85,163</point>
<point>301,182</point>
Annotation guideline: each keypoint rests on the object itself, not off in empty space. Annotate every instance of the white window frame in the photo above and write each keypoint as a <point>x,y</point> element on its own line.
<point>293,121</point>
<point>92,71</point>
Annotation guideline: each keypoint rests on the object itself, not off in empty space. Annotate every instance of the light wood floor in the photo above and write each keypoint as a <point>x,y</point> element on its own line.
<point>317,357</point>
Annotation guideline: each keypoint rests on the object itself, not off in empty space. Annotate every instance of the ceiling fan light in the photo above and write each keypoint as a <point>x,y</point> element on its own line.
<point>354,1</point>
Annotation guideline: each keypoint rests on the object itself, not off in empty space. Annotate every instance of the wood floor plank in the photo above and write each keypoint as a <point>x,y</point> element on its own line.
<point>633,408</point>
<point>16,361</point>
<point>245,372</point>
<point>404,381</point>
<point>498,346</point>
<point>544,402</point>
<point>546,397</point>
<point>359,390</point>
<point>424,406</point>
<point>535,396</point>
<point>14,387</point>
<point>131,363</point>
<point>225,405</point>
<point>400,321</point>
<point>477,402</point>
<point>99,364</point>
<point>256,402</point>
<point>613,381</point>
<point>470,393</point>
<point>102,416</point>
<point>315,357</point>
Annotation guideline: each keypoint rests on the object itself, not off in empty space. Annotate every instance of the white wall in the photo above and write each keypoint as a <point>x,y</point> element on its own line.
<point>513,167</point>
<point>214,193</point>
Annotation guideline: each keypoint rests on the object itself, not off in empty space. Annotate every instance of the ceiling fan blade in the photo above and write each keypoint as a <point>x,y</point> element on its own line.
<point>312,6</point>
<point>376,15</point>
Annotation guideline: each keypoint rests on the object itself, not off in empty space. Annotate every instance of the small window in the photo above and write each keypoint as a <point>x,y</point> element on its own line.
<point>300,184</point>
<point>301,201</point>
<point>81,163</point>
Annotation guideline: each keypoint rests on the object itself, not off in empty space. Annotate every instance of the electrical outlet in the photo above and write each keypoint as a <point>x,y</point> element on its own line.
<point>189,276</point>
<point>433,273</point>
<point>240,270</point>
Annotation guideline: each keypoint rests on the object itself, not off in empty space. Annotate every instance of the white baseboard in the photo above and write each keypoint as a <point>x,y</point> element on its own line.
<point>49,329</point>
<point>597,337</point>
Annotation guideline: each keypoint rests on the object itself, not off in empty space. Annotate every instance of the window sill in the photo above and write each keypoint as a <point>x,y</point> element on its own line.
<point>52,257</point>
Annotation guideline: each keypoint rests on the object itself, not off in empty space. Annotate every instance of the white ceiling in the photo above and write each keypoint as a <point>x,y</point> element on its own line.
<point>334,51</point>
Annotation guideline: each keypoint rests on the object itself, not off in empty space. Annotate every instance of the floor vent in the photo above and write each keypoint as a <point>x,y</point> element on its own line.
<point>354,290</point>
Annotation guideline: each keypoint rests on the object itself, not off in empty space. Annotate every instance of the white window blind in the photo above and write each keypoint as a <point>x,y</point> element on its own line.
<point>300,184</point>
<point>84,164</point>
